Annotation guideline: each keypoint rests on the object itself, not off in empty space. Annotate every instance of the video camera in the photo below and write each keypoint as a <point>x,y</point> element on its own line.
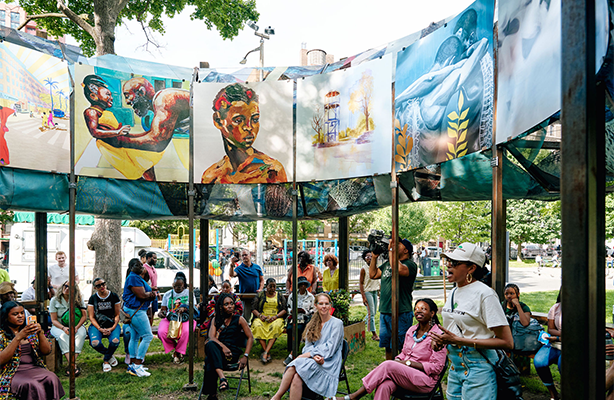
<point>378,242</point>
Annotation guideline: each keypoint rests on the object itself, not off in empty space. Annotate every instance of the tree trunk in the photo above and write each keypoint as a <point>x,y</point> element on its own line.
<point>104,25</point>
<point>106,242</point>
<point>519,256</point>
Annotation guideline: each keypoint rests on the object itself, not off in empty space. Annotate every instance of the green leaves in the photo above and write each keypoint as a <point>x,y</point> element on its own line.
<point>227,16</point>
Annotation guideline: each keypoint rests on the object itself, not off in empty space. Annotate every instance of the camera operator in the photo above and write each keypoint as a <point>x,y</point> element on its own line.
<point>407,276</point>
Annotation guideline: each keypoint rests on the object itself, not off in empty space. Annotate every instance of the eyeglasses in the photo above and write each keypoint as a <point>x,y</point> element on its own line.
<point>100,285</point>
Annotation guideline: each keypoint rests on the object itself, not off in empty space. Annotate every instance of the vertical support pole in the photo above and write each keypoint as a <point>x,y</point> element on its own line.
<point>40,232</point>
<point>204,259</point>
<point>582,206</point>
<point>72,193</point>
<point>294,267</point>
<point>498,242</point>
<point>344,255</point>
<point>191,192</point>
<point>394,259</point>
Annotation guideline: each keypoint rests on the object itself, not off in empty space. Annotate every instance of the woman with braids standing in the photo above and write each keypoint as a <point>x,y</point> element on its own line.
<point>319,365</point>
<point>225,346</point>
<point>418,366</point>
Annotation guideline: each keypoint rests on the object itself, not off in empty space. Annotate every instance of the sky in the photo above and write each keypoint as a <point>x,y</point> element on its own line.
<point>339,27</point>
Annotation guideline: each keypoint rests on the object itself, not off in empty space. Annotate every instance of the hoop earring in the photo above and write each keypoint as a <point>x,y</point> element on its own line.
<point>469,277</point>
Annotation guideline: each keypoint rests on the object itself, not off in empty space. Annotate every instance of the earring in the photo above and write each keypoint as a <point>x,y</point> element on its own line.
<point>469,277</point>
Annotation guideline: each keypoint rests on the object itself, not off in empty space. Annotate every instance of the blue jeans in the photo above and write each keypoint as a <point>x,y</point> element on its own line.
<point>470,376</point>
<point>385,329</point>
<point>371,310</point>
<point>126,336</point>
<point>545,357</point>
<point>139,330</point>
<point>96,341</point>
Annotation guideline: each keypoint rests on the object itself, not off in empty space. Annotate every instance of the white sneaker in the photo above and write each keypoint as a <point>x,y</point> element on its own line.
<point>140,372</point>
<point>113,361</point>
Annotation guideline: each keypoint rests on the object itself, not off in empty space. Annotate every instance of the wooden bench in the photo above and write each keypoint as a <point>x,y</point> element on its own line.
<point>432,283</point>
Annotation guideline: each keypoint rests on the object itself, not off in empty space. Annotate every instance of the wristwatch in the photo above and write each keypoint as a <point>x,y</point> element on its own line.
<point>246,355</point>
<point>408,363</point>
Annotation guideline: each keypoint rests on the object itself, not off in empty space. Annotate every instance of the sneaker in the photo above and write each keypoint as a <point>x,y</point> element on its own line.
<point>113,361</point>
<point>144,368</point>
<point>288,360</point>
<point>140,371</point>
<point>131,370</point>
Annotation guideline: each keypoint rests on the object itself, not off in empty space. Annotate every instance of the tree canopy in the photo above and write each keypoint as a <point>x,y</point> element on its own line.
<point>92,22</point>
<point>467,221</point>
<point>530,221</point>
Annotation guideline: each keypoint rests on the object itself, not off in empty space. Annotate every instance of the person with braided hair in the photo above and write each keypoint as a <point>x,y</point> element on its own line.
<point>227,338</point>
<point>418,366</point>
<point>236,114</point>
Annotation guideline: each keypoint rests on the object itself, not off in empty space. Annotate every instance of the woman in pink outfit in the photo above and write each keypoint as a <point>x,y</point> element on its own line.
<point>418,366</point>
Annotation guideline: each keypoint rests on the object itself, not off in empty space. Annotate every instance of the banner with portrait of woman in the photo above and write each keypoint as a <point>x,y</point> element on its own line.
<point>243,132</point>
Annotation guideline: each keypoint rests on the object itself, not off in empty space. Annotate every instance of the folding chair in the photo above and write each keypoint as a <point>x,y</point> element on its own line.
<point>345,350</point>
<point>435,394</point>
<point>231,368</point>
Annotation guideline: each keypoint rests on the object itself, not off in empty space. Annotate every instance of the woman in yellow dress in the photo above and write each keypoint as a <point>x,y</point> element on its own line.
<point>269,310</point>
<point>330,276</point>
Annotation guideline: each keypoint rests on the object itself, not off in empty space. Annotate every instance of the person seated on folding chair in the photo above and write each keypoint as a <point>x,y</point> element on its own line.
<point>206,309</point>
<point>319,365</point>
<point>227,337</point>
<point>418,366</point>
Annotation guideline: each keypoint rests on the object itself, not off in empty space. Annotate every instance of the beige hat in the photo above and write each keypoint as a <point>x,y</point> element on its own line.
<point>468,252</point>
<point>7,287</point>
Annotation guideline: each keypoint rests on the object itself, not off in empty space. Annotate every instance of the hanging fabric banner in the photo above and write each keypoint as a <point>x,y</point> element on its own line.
<point>130,126</point>
<point>343,122</point>
<point>445,91</point>
<point>243,132</point>
<point>34,111</point>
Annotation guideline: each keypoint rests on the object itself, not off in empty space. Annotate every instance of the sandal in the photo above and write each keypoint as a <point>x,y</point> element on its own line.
<point>106,367</point>
<point>77,372</point>
<point>263,357</point>
<point>269,357</point>
<point>223,384</point>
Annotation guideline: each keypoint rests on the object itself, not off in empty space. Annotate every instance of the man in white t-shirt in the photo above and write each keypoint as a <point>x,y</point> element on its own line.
<point>59,272</point>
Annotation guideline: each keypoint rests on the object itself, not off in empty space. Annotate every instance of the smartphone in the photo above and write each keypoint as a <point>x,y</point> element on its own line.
<point>31,319</point>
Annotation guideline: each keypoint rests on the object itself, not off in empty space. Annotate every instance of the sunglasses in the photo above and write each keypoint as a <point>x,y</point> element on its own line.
<point>455,263</point>
<point>65,287</point>
<point>100,285</point>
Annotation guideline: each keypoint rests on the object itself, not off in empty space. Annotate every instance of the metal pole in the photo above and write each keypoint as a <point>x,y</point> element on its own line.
<point>295,340</point>
<point>394,259</point>
<point>344,256</point>
<point>498,244</point>
<point>191,385</point>
<point>40,232</point>
<point>204,259</point>
<point>72,192</point>
<point>582,206</point>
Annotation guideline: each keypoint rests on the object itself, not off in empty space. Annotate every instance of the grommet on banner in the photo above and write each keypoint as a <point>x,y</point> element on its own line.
<point>404,48</point>
<point>445,25</point>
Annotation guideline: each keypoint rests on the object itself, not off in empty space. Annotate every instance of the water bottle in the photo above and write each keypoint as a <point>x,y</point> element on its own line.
<point>608,340</point>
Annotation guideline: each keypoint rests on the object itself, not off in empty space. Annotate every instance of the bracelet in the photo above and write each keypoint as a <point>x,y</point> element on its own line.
<point>474,346</point>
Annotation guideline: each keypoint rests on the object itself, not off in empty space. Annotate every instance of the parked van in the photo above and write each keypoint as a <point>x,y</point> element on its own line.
<point>22,250</point>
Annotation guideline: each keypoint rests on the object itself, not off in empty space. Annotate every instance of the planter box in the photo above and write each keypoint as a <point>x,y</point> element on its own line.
<point>355,335</point>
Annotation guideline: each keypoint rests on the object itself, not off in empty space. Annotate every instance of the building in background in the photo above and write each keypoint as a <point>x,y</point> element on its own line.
<point>315,56</point>
<point>11,15</point>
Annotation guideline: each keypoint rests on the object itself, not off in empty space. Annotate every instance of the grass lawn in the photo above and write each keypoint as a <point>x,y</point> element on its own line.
<point>168,379</point>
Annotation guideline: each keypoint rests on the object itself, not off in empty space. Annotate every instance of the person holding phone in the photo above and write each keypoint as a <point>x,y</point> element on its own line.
<point>22,347</point>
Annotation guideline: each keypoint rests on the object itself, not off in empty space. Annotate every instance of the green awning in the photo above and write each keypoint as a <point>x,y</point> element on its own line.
<point>54,218</point>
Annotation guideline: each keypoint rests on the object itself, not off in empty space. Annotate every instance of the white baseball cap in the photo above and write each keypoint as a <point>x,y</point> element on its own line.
<point>468,252</point>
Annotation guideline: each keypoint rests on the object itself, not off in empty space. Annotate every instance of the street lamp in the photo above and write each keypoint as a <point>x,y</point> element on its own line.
<point>266,35</point>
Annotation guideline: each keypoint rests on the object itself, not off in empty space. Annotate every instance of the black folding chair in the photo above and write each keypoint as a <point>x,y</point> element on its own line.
<point>435,394</point>
<point>310,395</point>
<point>232,368</point>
